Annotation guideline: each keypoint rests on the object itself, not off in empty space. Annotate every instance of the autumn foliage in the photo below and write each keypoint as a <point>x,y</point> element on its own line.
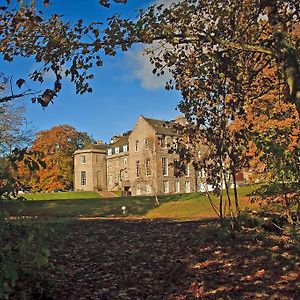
<point>56,147</point>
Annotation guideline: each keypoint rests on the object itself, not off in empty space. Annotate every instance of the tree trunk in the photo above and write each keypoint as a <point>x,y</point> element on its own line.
<point>285,53</point>
<point>236,199</point>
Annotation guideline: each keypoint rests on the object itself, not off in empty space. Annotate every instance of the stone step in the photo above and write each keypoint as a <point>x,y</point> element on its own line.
<point>106,194</point>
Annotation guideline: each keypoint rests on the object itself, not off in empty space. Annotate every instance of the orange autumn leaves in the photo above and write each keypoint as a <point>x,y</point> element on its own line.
<point>55,147</point>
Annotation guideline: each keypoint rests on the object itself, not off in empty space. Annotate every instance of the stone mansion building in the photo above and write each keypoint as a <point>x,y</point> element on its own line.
<point>136,163</point>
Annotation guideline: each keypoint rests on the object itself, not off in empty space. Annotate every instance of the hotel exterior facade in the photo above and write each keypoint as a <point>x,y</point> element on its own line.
<point>137,163</point>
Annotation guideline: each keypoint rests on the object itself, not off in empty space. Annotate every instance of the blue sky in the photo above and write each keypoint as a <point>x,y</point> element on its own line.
<point>123,89</point>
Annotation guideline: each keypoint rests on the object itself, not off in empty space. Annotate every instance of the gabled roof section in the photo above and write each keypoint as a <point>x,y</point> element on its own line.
<point>161,127</point>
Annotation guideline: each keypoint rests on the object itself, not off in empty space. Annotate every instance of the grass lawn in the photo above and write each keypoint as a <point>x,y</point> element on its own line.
<point>89,204</point>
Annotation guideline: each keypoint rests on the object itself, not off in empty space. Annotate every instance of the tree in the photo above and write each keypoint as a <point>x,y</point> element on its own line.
<point>148,177</point>
<point>261,30</point>
<point>58,47</point>
<point>56,147</point>
<point>14,131</point>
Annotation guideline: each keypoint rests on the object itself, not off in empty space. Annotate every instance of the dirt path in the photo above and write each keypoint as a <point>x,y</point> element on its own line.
<point>115,259</point>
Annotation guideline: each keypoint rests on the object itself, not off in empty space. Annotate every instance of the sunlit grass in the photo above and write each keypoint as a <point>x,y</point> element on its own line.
<point>89,204</point>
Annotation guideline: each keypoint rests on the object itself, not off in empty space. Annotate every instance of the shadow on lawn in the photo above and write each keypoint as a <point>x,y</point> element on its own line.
<point>99,207</point>
<point>172,260</point>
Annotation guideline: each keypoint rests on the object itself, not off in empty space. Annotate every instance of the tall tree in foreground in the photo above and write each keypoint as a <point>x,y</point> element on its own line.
<point>261,29</point>
<point>58,46</point>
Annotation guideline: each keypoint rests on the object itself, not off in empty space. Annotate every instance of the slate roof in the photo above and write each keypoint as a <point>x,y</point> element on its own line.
<point>95,147</point>
<point>120,142</point>
<point>161,127</point>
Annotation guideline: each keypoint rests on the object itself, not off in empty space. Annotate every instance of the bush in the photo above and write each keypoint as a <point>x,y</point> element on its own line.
<point>24,260</point>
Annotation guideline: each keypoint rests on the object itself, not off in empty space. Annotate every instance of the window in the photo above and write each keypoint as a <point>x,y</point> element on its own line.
<point>176,168</point>
<point>125,175</point>
<point>136,146</point>
<point>187,187</point>
<point>199,154</point>
<point>146,144</point>
<point>175,143</point>
<point>148,167</point>
<point>137,168</point>
<point>125,148</point>
<point>177,187</point>
<point>165,187</point>
<point>164,161</point>
<point>138,189</point>
<point>109,152</point>
<point>109,164</point>
<point>117,177</point>
<point>125,161</point>
<point>163,142</point>
<point>148,189</point>
<point>117,163</point>
<point>82,159</point>
<point>187,169</point>
<point>83,177</point>
<point>117,150</point>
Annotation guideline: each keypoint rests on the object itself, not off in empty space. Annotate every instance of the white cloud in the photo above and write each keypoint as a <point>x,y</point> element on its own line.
<point>141,68</point>
<point>139,62</point>
<point>166,2</point>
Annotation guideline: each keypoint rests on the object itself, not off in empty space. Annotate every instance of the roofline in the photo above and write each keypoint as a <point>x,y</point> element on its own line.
<point>90,150</point>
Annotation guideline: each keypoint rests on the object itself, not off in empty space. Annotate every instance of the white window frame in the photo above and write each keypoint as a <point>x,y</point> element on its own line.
<point>125,148</point>
<point>148,167</point>
<point>125,161</point>
<point>175,143</point>
<point>117,150</point>
<point>187,170</point>
<point>163,142</point>
<point>125,175</point>
<point>165,166</point>
<point>137,169</point>
<point>166,188</point>
<point>109,151</point>
<point>82,159</point>
<point>136,146</point>
<point>148,189</point>
<point>177,186</point>
<point>83,178</point>
<point>138,189</point>
<point>187,187</point>
<point>109,163</point>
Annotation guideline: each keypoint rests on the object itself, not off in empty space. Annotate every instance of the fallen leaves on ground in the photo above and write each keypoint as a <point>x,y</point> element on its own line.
<point>139,259</point>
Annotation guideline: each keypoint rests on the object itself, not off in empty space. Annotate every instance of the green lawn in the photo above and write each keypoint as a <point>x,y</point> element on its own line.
<point>89,204</point>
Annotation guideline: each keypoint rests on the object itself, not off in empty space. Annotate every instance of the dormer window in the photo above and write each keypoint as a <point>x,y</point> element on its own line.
<point>163,142</point>
<point>125,148</point>
<point>117,150</point>
<point>109,152</point>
